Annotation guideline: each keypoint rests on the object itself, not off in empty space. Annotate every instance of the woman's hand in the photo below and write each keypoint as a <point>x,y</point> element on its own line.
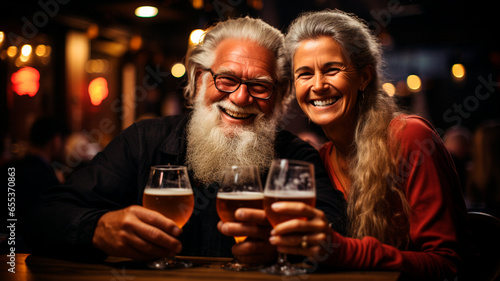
<point>253,224</point>
<point>311,237</point>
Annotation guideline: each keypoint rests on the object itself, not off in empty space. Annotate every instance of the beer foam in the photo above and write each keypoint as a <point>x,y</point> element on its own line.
<point>247,195</point>
<point>168,191</point>
<point>290,193</point>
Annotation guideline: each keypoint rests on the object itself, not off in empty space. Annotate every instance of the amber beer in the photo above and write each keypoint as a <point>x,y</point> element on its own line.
<point>174,203</point>
<point>228,203</point>
<point>307,197</point>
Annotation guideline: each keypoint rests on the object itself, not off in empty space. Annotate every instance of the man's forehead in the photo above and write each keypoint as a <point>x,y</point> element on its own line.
<point>242,57</point>
<point>229,71</point>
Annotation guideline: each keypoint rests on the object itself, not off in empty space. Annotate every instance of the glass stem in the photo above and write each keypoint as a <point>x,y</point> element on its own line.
<point>282,259</point>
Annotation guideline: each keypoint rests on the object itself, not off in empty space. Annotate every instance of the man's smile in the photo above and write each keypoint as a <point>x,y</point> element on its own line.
<point>235,114</point>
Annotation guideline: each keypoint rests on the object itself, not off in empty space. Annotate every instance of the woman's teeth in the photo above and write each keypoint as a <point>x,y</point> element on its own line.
<point>326,102</point>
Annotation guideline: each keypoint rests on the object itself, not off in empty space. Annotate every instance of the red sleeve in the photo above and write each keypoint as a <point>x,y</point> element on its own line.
<point>437,211</point>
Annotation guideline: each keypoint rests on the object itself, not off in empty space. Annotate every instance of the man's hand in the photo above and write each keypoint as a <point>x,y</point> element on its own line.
<point>253,224</point>
<point>138,233</point>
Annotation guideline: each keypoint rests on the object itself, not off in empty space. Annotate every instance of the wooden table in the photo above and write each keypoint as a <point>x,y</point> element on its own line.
<point>30,267</point>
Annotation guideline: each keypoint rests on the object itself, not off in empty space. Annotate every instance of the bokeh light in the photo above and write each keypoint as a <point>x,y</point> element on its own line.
<point>40,50</point>
<point>458,71</point>
<point>96,66</point>
<point>98,90</point>
<point>135,42</point>
<point>26,50</point>
<point>93,31</point>
<point>198,4</point>
<point>26,81</point>
<point>178,70</point>
<point>389,88</point>
<point>196,36</point>
<point>414,82</point>
<point>12,51</point>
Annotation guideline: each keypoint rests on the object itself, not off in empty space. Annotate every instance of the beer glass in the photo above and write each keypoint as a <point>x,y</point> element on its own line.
<point>288,180</point>
<point>169,192</point>
<point>240,188</point>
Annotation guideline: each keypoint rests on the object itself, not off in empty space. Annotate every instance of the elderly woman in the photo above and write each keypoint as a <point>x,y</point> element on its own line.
<point>405,206</point>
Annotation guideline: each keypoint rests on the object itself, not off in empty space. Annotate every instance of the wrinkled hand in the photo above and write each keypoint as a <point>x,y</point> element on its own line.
<point>289,236</point>
<point>138,233</point>
<point>253,224</point>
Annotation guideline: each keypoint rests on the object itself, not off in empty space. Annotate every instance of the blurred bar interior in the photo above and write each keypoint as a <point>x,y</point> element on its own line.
<point>101,65</point>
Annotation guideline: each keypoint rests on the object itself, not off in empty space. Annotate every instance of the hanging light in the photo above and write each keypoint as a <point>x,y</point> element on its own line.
<point>146,11</point>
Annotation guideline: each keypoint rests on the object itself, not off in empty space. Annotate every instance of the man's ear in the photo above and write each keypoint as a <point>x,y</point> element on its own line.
<point>198,76</point>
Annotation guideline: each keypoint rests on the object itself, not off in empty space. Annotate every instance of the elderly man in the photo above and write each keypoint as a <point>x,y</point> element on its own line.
<point>239,89</point>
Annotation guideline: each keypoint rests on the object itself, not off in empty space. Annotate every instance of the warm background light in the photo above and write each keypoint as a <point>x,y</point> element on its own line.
<point>196,36</point>
<point>178,70</point>
<point>146,11</point>
<point>48,50</point>
<point>135,42</point>
<point>40,50</point>
<point>96,66</point>
<point>256,4</point>
<point>26,81</point>
<point>2,36</point>
<point>98,90</point>
<point>197,4</point>
<point>12,51</point>
<point>26,50</point>
<point>414,82</point>
<point>389,89</point>
<point>93,31</point>
<point>458,71</point>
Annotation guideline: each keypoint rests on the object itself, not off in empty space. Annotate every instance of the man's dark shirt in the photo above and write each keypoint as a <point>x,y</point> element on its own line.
<point>64,222</point>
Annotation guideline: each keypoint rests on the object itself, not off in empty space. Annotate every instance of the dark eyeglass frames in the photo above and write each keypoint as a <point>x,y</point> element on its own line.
<point>229,84</point>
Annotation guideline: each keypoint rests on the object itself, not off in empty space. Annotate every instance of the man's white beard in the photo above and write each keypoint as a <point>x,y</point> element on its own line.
<point>211,144</point>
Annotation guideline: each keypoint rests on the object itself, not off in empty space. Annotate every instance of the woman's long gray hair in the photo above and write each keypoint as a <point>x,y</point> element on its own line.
<point>202,56</point>
<point>376,204</point>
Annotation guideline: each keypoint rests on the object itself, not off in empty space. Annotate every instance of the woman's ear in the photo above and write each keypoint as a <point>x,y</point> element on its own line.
<point>366,76</point>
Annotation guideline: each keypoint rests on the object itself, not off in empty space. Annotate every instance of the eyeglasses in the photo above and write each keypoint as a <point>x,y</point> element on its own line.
<point>229,84</point>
